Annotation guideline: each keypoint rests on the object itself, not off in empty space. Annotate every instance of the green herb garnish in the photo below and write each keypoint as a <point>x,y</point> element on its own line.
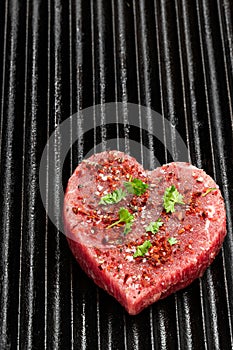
<point>142,249</point>
<point>113,197</point>
<point>172,240</point>
<point>208,191</point>
<point>126,217</point>
<point>170,198</point>
<point>154,226</point>
<point>136,186</point>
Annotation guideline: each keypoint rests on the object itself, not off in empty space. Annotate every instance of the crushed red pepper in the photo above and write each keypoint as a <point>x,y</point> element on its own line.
<point>111,172</point>
<point>194,205</point>
<point>91,214</point>
<point>160,252</point>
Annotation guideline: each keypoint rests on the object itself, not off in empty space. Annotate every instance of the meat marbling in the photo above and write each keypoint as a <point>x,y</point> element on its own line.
<point>197,227</point>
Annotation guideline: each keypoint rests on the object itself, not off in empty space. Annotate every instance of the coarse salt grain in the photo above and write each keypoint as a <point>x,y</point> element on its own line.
<point>200,179</point>
<point>211,211</point>
<point>129,258</point>
<point>128,250</point>
<point>143,212</point>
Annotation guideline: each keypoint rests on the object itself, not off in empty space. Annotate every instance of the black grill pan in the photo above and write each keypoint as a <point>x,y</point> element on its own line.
<point>57,58</point>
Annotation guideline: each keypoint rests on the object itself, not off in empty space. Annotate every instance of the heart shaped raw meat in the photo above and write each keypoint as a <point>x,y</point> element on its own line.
<point>142,247</point>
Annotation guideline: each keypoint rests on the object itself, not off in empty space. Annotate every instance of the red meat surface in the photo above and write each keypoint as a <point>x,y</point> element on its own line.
<point>197,227</point>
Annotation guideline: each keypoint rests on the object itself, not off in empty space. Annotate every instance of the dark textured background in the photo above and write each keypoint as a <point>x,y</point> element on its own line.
<point>57,57</point>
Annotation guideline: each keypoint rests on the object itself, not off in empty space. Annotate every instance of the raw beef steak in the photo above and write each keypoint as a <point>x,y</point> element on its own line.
<point>142,235</point>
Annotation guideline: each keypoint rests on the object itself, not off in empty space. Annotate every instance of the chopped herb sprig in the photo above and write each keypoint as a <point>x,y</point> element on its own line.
<point>170,198</point>
<point>142,249</point>
<point>154,226</point>
<point>136,186</point>
<point>113,197</point>
<point>210,189</point>
<point>126,217</point>
<point>172,240</point>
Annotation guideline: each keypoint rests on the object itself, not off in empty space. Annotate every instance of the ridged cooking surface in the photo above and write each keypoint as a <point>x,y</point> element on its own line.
<point>58,57</point>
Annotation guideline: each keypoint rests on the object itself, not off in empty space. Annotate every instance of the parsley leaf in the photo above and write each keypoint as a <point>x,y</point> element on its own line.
<point>112,198</point>
<point>142,249</point>
<point>208,191</point>
<point>154,226</point>
<point>172,240</point>
<point>170,198</point>
<point>136,186</point>
<point>126,217</point>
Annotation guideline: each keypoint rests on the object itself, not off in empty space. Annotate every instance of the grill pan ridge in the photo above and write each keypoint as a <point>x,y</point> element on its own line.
<point>57,58</point>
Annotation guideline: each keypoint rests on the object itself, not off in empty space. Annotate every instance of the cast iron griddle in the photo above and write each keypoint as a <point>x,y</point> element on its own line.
<point>58,57</point>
